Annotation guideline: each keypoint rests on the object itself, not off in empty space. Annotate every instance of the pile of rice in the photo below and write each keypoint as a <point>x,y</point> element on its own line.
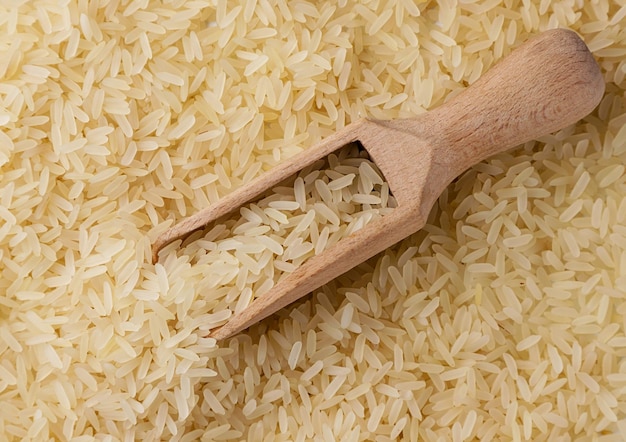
<point>244,255</point>
<point>503,319</point>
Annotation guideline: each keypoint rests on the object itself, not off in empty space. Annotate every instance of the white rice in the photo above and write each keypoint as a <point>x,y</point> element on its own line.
<point>274,235</point>
<point>502,319</point>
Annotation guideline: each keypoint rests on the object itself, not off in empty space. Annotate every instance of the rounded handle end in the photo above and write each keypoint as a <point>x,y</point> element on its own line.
<point>548,83</point>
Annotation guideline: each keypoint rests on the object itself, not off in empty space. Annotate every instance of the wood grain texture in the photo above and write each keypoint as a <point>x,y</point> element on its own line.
<point>546,84</point>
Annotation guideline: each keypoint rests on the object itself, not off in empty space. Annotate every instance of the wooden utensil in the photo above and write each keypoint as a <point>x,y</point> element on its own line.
<point>549,82</point>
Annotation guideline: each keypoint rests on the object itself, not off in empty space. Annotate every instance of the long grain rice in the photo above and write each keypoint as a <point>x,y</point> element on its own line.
<point>502,319</point>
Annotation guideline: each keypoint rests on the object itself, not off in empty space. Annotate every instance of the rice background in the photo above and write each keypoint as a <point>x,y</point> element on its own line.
<point>505,319</point>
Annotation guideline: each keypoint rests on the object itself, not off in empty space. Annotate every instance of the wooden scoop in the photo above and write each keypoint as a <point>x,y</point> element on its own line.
<point>548,83</point>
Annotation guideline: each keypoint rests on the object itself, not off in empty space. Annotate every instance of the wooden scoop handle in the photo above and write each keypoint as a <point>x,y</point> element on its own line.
<point>546,84</point>
<point>550,82</point>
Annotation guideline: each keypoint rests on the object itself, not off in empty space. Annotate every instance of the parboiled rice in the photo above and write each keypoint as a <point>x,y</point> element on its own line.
<point>242,256</point>
<point>503,319</point>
